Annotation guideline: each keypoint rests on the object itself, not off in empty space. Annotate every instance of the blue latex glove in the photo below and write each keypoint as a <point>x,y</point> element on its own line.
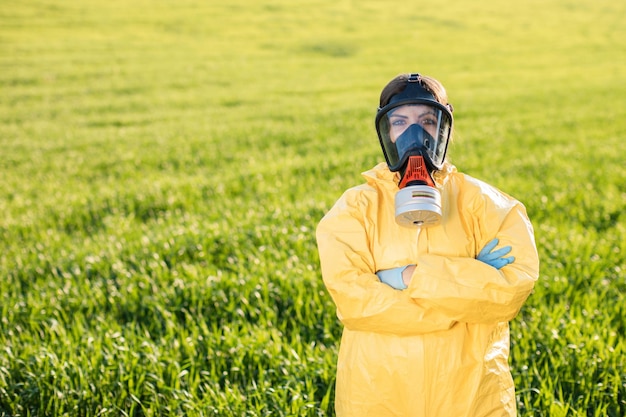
<point>393,277</point>
<point>495,258</point>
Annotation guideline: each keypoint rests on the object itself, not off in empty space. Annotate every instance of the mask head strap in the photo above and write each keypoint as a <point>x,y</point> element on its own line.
<point>413,91</point>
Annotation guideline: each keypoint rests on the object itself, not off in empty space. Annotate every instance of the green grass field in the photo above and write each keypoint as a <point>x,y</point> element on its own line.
<point>164,166</point>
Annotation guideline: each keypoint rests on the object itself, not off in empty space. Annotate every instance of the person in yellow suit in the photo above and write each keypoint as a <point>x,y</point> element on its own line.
<point>426,266</point>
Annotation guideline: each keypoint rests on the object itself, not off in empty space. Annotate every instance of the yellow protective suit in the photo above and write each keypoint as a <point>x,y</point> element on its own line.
<point>440,347</point>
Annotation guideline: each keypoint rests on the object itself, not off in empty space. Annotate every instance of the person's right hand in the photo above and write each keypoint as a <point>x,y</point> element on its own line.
<point>495,258</point>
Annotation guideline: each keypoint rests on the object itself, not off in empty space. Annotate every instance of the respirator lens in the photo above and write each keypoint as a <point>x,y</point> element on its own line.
<point>414,128</point>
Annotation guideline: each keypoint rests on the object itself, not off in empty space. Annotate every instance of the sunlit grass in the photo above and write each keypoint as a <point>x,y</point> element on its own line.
<point>164,166</point>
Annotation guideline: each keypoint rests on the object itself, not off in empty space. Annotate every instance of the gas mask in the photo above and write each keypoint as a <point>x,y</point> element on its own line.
<point>414,130</point>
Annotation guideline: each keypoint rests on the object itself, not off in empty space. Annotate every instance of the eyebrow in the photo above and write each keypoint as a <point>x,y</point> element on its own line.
<point>419,115</point>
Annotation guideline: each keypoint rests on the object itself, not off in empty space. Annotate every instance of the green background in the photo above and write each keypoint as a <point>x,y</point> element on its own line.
<point>164,165</point>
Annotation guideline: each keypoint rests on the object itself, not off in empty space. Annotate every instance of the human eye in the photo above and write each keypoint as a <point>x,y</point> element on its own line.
<point>429,121</point>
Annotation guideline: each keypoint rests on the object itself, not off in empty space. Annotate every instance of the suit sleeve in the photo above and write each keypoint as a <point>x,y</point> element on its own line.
<point>348,269</point>
<point>468,290</point>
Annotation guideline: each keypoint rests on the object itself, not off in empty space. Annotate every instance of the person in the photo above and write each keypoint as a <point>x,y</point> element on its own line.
<point>426,283</point>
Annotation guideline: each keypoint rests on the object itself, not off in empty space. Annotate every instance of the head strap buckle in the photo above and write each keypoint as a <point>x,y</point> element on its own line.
<point>415,78</point>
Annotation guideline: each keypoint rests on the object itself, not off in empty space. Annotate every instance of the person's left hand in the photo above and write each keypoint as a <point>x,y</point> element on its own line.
<point>495,258</point>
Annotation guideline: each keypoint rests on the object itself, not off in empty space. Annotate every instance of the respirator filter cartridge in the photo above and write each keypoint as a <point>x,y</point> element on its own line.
<point>418,206</point>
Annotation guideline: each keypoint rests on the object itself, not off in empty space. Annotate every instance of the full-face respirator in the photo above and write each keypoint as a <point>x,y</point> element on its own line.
<point>414,130</point>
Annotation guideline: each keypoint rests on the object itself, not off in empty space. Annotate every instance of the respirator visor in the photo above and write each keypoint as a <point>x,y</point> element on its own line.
<point>414,128</point>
